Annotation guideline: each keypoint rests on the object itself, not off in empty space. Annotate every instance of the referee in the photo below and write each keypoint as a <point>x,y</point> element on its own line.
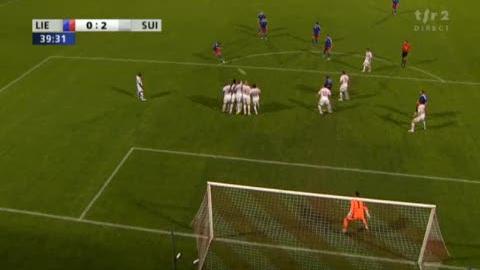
<point>405,50</point>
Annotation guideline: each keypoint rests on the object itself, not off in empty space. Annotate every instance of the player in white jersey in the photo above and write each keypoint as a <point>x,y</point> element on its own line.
<point>255,94</point>
<point>344,82</point>
<point>227,96</point>
<point>419,116</point>
<point>246,98</point>
<point>367,63</point>
<point>140,87</point>
<point>324,95</point>
<point>239,96</point>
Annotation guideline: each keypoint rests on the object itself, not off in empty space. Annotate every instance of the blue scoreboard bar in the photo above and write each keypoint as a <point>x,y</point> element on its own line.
<point>66,38</point>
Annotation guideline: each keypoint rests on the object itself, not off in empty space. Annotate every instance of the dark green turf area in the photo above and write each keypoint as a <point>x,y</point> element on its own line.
<point>65,126</point>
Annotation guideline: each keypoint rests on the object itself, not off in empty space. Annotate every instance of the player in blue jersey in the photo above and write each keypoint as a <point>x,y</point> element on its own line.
<point>327,51</point>
<point>423,99</point>
<point>263,28</point>
<point>217,51</point>
<point>328,82</point>
<point>395,6</point>
<point>316,33</point>
<point>260,17</point>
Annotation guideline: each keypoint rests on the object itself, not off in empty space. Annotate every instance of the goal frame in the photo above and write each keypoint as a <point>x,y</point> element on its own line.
<point>428,229</point>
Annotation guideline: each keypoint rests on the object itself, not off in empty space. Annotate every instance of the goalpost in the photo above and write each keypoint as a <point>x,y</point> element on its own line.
<point>245,227</point>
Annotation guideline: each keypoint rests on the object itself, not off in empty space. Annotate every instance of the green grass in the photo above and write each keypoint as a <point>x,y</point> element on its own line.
<point>66,126</point>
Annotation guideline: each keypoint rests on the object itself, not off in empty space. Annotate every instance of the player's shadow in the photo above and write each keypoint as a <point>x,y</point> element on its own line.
<point>272,107</point>
<point>443,125</point>
<point>345,54</point>
<point>408,11</point>
<point>382,20</point>
<point>344,106</point>
<point>395,110</point>
<point>298,38</point>
<point>290,35</point>
<point>122,91</point>
<point>306,106</point>
<point>390,16</point>
<point>387,67</point>
<point>238,45</point>
<point>202,56</point>
<point>361,96</point>
<point>306,88</point>
<point>393,120</point>
<point>156,210</point>
<point>159,94</point>
<point>246,29</point>
<point>338,39</point>
<point>343,63</point>
<point>276,29</point>
<point>405,115</point>
<point>444,114</point>
<point>425,61</point>
<point>209,102</point>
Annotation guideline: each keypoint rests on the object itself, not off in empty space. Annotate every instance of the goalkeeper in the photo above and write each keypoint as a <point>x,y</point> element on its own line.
<point>358,211</point>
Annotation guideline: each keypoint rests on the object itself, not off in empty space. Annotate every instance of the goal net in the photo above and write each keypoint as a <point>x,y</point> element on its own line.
<point>243,227</point>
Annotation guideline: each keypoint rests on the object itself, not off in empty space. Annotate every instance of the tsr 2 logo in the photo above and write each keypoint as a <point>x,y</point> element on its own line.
<point>432,21</point>
<point>428,15</point>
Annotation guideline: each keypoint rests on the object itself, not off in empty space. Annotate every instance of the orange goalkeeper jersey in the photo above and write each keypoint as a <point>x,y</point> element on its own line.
<point>358,209</point>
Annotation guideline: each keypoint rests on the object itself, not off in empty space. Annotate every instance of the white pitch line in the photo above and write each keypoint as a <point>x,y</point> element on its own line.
<point>151,61</point>
<point>166,232</point>
<point>8,3</point>
<point>308,250</point>
<point>427,72</point>
<point>450,267</point>
<point>26,73</point>
<point>335,53</point>
<point>104,186</point>
<point>264,54</point>
<point>313,166</point>
<point>93,222</point>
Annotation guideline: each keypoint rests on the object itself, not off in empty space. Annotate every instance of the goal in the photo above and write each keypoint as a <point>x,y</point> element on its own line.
<point>244,227</point>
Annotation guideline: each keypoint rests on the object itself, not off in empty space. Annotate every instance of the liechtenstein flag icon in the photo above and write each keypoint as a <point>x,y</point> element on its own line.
<point>69,25</point>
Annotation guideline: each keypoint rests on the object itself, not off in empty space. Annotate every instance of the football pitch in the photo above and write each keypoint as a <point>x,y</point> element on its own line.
<point>91,178</point>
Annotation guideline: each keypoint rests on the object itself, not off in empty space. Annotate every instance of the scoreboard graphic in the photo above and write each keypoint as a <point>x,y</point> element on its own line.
<point>63,31</point>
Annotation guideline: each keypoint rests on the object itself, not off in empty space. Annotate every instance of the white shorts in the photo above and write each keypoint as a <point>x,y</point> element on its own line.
<point>246,99</point>
<point>419,118</point>
<point>324,102</point>
<point>256,100</point>
<point>227,98</point>
<point>139,89</point>
<point>343,88</point>
<point>238,97</point>
<point>367,64</point>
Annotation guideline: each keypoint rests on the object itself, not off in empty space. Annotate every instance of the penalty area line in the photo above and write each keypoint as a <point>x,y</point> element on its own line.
<point>25,74</point>
<point>105,184</point>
